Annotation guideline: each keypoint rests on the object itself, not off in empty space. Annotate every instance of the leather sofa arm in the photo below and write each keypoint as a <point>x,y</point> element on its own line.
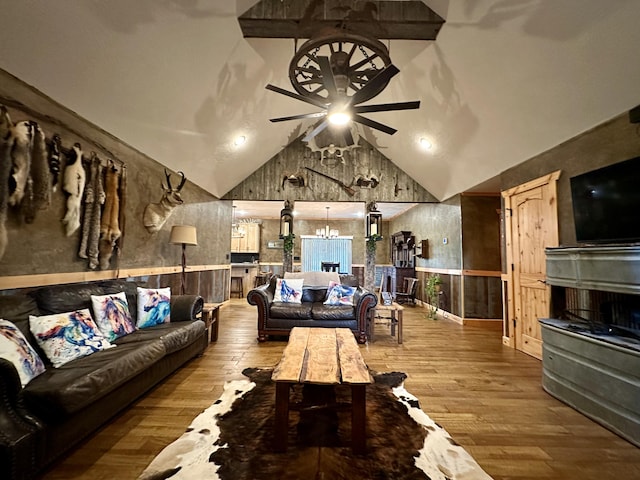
<point>186,307</point>
<point>364,301</point>
<point>20,438</point>
<point>262,297</point>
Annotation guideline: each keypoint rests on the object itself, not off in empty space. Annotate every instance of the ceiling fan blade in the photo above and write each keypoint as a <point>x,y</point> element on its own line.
<point>373,124</point>
<point>321,126</point>
<point>375,83</point>
<point>310,100</point>
<point>328,79</point>
<point>298,117</point>
<point>386,107</point>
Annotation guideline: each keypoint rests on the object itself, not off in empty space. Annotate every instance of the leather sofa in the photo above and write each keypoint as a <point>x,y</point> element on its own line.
<point>57,409</point>
<point>278,318</point>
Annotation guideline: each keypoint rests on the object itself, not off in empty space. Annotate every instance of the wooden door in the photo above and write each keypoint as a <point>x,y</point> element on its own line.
<point>531,226</point>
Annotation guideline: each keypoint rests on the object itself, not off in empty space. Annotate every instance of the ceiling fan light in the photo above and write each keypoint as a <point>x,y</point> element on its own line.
<point>339,118</point>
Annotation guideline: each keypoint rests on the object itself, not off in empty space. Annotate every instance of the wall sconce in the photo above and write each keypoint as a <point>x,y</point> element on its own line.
<point>183,235</point>
<point>286,220</point>
<point>374,222</point>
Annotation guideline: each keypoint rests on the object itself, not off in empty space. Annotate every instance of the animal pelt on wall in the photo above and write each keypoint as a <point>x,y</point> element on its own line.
<point>109,225</point>
<point>73,186</point>
<point>37,194</point>
<point>94,198</point>
<point>54,161</point>
<point>5,171</point>
<point>22,141</point>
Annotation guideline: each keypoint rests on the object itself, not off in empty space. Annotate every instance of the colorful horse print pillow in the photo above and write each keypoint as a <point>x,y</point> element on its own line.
<point>66,336</point>
<point>288,290</point>
<point>153,306</point>
<point>15,348</point>
<point>112,315</point>
<point>338,294</point>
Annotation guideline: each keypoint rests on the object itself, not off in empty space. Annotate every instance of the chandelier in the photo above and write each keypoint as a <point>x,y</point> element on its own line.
<point>327,232</point>
<point>236,230</point>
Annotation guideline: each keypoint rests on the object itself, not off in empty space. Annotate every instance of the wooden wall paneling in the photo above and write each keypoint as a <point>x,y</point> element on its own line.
<point>266,183</point>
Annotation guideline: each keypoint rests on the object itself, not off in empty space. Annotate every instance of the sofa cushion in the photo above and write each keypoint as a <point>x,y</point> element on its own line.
<point>63,391</point>
<point>15,348</point>
<point>112,315</point>
<point>130,288</point>
<point>290,310</point>
<point>154,306</point>
<point>314,294</point>
<point>288,291</point>
<point>16,309</point>
<point>67,336</point>
<point>174,336</point>
<point>65,298</point>
<point>338,294</point>
<point>315,279</point>
<point>320,311</point>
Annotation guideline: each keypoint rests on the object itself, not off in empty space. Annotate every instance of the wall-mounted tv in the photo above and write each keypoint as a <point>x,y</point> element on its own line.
<point>606,204</point>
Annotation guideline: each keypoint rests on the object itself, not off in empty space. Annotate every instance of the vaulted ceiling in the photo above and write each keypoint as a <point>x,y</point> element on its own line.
<point>504,80</point>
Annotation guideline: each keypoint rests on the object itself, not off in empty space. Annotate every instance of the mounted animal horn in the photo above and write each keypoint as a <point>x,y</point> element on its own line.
<point>156,214</point>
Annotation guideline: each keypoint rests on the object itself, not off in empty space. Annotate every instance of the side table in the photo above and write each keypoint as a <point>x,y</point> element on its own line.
<point>394,312</point>
<point>210,316</point>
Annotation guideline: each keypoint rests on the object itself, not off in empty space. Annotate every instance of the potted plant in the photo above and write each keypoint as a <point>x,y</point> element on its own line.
<point>287,243</point>
<point>371,243</point>
<point>432,293</point>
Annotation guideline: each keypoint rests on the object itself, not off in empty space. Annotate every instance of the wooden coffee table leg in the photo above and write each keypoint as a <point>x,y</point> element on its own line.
<point>399,320</point>
<point>282,416</point>
<point>359,418</point>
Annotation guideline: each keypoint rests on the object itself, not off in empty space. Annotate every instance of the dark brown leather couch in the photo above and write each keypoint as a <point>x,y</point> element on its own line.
<point>278,318</point>
<point>45,419</point>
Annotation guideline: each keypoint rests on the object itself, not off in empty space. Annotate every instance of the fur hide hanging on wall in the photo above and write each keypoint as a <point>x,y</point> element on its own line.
<point>94,198</point>
<point>109,226</point>
<point>73,185</point>
<point>5,171</point>
<point>37,195</point>
<point>22,139</point>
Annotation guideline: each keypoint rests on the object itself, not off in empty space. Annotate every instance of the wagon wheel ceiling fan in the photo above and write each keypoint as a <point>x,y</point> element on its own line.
<point>353,63</point>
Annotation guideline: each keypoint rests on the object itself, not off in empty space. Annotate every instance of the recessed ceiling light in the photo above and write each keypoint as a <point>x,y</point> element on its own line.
<point>240,140</point>
<point>425,143</point>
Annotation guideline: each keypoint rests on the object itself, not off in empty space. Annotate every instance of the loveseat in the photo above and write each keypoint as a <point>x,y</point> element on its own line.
<point>58,408</point>
<point>278,317</point>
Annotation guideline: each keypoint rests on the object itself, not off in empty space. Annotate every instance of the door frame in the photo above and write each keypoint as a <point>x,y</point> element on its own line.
<point>509,325</point>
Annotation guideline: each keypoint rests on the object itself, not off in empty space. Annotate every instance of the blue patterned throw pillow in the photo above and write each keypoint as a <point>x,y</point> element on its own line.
<point>338,294</point>
<point>66,336</point>
<point>15,348</point>
<point>288,290</point>
<point>154,306</point>
<point>112,315</point>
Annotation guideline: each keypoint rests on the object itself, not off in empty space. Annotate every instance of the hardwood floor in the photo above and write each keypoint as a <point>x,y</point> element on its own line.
<point>487,396</point>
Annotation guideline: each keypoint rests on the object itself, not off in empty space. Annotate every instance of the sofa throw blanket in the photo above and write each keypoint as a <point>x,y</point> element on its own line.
<point>314,279</point>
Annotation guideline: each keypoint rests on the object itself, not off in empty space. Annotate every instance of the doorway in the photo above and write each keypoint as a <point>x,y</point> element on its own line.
<point>531,225</point>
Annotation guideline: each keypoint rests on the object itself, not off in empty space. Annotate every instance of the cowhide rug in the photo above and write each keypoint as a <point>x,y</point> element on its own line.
<point>233,439</point>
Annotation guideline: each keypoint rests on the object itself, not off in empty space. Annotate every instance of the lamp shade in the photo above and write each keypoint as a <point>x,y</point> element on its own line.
<point>183,234</point>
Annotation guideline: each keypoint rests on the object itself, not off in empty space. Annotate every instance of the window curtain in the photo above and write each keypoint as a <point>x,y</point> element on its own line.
<point>317,250</point>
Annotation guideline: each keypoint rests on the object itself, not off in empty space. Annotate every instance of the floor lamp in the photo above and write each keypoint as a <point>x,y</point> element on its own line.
<point>183,235</point>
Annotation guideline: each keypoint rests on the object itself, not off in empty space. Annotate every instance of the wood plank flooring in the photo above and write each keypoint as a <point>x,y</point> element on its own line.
<point>487,396</point>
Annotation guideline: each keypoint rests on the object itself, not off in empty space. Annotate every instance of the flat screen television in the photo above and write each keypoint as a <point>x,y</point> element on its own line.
<point>606,204</point>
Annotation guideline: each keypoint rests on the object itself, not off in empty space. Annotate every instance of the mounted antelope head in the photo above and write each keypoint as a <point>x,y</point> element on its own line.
<point>155,214</point>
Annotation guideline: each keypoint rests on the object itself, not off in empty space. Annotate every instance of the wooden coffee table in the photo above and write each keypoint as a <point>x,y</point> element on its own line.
<point>321,356</point>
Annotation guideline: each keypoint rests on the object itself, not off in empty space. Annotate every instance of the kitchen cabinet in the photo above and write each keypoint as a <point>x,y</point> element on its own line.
<point>246,239</point>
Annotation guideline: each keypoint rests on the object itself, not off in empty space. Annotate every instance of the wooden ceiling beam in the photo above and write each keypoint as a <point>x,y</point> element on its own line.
<point>384,19</point>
